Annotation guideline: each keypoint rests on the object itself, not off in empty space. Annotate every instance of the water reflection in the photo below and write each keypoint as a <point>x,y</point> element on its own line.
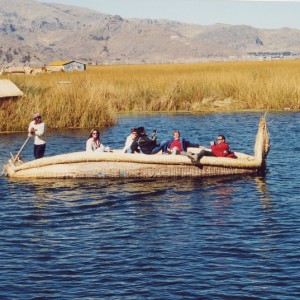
<point>264,193</point>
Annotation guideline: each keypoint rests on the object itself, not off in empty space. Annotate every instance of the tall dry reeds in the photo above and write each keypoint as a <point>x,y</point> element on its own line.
<point>203,87</point>
<point>64,101</point>
<point>91,98</point>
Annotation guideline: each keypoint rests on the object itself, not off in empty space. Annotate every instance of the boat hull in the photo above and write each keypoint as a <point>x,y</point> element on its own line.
<point>119,165</point>
<point>116,164</point>
<point>129,170</point>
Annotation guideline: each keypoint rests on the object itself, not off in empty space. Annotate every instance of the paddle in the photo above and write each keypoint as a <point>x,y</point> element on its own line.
<point>21,149</point>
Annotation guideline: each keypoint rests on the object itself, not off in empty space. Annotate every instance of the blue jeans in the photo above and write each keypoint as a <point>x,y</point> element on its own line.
<point>161,146</point>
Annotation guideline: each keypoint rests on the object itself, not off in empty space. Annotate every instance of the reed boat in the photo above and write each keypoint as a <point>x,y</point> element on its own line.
<point>116,164</point>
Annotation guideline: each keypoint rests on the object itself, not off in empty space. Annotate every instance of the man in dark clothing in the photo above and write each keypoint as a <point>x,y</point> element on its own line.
<point>146,145</point>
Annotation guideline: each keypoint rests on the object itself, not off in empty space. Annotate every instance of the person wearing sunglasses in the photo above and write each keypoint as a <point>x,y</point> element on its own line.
<point>93,142</point>
<point>220,148</point>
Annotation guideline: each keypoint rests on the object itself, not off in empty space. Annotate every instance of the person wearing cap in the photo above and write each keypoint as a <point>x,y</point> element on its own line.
<point>37,128</point>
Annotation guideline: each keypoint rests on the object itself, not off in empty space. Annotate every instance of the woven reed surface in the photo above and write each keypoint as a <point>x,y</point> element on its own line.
<point>127,170</point>
<point>117,157</point>
<point>262,141</point>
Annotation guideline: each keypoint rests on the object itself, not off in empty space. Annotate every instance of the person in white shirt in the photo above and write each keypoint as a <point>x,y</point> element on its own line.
<point>129,140</point>
<point>37,128</point>
<point>93,142</point>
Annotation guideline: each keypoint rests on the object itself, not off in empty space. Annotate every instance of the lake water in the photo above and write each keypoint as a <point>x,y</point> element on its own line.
<point>219,238</point>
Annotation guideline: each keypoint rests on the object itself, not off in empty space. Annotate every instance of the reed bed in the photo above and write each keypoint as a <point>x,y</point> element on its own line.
<point>93,97</point>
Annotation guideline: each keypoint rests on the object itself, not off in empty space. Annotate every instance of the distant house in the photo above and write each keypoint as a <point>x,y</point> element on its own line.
<point>67,66</point>
<point>9,90</point>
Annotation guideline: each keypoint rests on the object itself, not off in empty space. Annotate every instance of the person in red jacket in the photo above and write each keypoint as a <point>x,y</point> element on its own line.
<point>218,149</point>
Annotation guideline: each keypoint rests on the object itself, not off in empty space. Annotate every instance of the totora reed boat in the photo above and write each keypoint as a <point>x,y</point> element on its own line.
<point>116,164</point>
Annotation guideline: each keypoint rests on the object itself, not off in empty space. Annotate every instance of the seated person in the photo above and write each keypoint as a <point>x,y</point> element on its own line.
<point>129,141</point>
<point>218,149</point>
<point>178,144</point>
<point>93,142</point>
<point>145,144</point>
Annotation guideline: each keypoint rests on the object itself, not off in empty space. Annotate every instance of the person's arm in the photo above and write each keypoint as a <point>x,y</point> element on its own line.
<point>89,147</point>
<point>31,129</point>
<point>220,150</point>
<point>128,143</point>
<point>147,140</point>
<point>134,147</point>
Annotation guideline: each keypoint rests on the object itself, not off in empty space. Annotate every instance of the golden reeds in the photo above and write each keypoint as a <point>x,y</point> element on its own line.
<point>91,98</point>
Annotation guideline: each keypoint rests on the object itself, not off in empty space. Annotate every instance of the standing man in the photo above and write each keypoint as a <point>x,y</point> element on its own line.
<point>37,128</point>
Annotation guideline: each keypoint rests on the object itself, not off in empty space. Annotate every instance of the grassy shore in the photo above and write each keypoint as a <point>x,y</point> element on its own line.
<point>91,98</point>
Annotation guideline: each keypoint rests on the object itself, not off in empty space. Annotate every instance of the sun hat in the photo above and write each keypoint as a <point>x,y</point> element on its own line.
<point>36,115</point>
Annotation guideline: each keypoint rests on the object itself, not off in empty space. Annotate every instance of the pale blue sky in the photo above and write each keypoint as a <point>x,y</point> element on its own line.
<point>260,14</point>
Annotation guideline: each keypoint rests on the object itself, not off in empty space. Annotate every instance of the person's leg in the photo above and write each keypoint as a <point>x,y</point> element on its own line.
<point>40,151</point>
<point>161,146</point>
<point>35,147</point>
<point>165,148</point>
<point>204,153</point>
<point>175,151</point>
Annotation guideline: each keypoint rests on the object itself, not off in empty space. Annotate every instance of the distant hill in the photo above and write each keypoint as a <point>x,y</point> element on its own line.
<point>37,33</point>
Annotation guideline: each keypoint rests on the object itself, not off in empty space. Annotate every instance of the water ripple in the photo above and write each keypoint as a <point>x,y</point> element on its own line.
<point>218,238</point>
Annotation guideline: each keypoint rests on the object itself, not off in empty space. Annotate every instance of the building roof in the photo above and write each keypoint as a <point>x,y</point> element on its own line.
<point>59,63</point>
<point>62,63</point>
<point>9,89</point>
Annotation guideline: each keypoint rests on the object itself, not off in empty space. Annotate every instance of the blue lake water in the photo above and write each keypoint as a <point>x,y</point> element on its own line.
<point>218,238</point>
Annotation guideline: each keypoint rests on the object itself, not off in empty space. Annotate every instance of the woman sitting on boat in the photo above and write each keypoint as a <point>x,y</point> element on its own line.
<point>93,142</point>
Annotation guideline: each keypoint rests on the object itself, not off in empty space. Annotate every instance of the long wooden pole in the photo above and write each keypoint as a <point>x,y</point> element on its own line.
<point>21,149</point>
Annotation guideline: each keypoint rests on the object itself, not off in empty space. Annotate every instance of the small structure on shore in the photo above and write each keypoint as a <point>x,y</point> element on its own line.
<point>8,90</point>
<point>67,66</point>
<point>21,70</point>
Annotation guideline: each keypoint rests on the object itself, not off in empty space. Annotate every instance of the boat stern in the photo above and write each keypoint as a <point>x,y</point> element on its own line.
<point>10,168</point>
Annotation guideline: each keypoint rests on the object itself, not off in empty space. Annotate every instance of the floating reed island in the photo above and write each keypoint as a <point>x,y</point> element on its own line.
<point>116,164</point>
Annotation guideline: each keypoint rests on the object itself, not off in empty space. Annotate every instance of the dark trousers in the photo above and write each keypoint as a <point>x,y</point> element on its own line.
<point>204,153</point>
<point>39,150</point>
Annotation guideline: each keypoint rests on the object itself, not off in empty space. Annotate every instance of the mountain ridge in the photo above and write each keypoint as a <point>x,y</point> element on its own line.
<point>37,33</point>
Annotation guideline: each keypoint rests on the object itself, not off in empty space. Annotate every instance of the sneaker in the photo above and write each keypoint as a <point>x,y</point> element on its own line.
<point>192,156</point>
